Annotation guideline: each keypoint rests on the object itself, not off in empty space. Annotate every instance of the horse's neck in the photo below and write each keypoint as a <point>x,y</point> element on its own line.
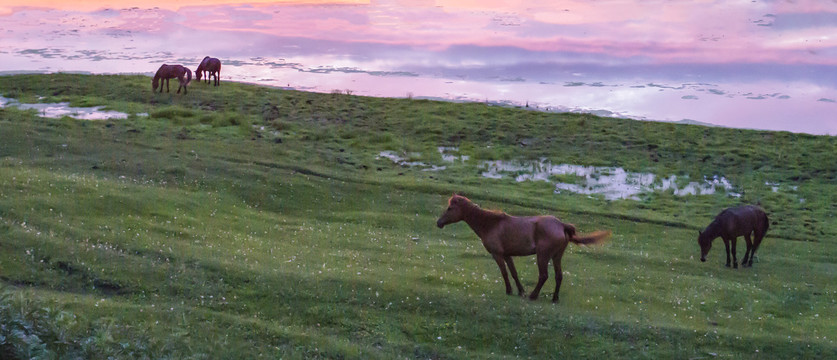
<point>713,230</point>
<point>481,221</point>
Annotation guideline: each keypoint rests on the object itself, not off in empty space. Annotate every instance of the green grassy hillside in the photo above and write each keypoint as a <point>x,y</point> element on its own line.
<point>250,222</point>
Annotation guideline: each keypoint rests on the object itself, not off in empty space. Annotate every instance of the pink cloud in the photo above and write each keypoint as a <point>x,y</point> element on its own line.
<point>706,32</point>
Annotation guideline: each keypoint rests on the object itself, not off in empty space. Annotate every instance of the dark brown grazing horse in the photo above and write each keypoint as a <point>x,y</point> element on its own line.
<point>166,72</point>
<point>505,236</point>
<point>209,65</point>
<point>729,225</point>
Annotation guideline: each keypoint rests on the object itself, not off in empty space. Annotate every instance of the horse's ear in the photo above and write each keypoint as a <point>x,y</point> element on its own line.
<point>456,199</point>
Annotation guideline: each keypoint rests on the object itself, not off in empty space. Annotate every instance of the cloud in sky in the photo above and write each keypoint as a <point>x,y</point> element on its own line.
<point>609,32</point>
<point>9,6</point>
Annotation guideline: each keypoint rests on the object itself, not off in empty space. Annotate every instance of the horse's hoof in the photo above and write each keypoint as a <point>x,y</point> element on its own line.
<point>555,301</point>
<point>727,265</point>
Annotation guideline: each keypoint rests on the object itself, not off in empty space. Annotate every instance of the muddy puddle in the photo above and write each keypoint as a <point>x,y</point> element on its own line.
<point>59,110</point>
<point>614,183</point>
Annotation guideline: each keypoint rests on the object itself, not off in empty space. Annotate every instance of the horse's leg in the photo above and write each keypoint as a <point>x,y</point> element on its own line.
<point>559,276</point>
<point>167,85</point>
<point>543,274</point>
<point>181,83</point>
<point>513,272</point>
<point>502,264</point>
<point>734,258</point>
<point>747,255</point>
<point>726,244</point>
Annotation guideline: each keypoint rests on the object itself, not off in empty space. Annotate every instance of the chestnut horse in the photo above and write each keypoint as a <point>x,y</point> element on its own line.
<point>505,236</point>
<point>209,65</point>
<point>729,225</point>
<point>166,72</point>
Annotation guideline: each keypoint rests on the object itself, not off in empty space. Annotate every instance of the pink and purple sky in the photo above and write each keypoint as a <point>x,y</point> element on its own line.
<point>765,64</point>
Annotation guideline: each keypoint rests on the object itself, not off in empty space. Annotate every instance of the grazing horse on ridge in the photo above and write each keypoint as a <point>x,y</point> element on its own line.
<point>729,225</point>
<point>505,236</point>
<point>166,72</point>
<point>209,67</point>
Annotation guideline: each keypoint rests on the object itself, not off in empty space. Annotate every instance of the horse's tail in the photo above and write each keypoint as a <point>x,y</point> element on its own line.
<point>765,224</point>
<point>766,221</point>
<point>188,76</point>
<point>596,237</point>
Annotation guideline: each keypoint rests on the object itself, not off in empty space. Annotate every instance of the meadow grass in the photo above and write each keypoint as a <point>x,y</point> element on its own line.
<point>250,222</point>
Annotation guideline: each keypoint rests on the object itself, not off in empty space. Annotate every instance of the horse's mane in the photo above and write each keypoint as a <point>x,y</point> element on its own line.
<point>713,230</point>
<point>486,214</point>
<point>493,213</point>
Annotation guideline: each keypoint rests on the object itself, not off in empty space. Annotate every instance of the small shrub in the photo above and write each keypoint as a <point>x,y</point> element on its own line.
<point>381,138</point>
<point>226,120</point>
<point>89,101</point>
<point>171,113</point>
<point>281,125</point>
<point>29,328</point>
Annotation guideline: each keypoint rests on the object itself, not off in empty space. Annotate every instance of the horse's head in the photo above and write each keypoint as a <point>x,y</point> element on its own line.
<point>705,243</point>
<point>198,73</point>
<point>455,211</point>
<point>161,72</point>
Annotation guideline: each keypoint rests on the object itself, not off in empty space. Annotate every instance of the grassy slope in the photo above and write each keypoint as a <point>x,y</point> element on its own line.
<point>244,221</point>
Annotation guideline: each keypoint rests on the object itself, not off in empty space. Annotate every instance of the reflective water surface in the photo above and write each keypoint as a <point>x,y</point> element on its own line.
<point>613,183</point>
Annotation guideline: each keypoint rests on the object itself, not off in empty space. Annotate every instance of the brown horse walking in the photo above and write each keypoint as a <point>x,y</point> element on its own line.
<point>166,72</point>
<point>208,67</point>
<point>729,225</point>
<point>505,236</point>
